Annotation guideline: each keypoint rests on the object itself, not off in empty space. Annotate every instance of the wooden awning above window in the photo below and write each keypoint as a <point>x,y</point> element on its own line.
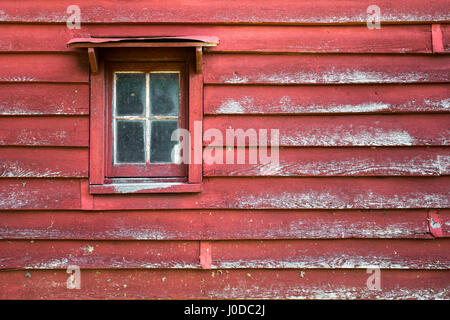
<point>157,41</point>
<point>198,42</point>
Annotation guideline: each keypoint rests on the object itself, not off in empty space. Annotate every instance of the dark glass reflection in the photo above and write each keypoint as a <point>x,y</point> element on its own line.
<point>164,94</point>
<point>161,145</point>
<point>130,146</point>
<point>130,94</point>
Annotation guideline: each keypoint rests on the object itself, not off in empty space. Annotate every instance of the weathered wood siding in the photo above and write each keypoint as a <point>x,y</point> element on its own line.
<point>364,161</point>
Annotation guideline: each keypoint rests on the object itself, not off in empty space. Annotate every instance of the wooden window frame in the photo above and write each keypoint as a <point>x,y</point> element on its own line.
<point>144,170</point>
<point>99,182</point>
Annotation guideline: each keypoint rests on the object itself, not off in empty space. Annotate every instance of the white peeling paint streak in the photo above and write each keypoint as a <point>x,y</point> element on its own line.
<point>288,200</point>
<point>17,79</point>
<point>269,169</point>
<point>7,111</point>
<point>21,109</point>
<point>332,167</point>
<point>50,264</point>
<point>343,229</point>
<point>345,136</point>
<point>32,137</point>
<point>352,17</point>
<point>444,164</point>
<point>234,79</point>
<point>13,199</point>
<point>328,76</point>
<point>358,108</point>
<point>420,16</point>
<point>122,262</point>
<point>357,76</point>
<point>327,200</point>
<point>16,109</point>
<point>285,104</point>
<point>135,187</point>
<point>411,200</point>
<point>338,260</point>
<point>325,292</point>
<point>231,14</point>
<point>153,232</point>
<point>113,262</point>
<point>34,233</point>
<point>441,104</point>
<point>397,230</point>
<point>10,169</point>
<point>232,106</point>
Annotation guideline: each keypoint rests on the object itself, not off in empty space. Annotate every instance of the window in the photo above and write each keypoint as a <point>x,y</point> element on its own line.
<point>147,107</point>
<point>142,90</point>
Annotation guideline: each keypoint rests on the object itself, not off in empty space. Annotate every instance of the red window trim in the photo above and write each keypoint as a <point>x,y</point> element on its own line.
<point>99,139</point>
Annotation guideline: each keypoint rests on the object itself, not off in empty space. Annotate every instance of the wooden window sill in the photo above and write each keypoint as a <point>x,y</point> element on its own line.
<point>152,187</point>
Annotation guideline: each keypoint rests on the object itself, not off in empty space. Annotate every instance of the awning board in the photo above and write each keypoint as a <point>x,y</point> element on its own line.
<point>156,41</point>
<point>144,42</point>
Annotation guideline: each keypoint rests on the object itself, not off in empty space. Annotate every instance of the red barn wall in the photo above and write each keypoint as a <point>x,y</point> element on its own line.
<point>364,164</point>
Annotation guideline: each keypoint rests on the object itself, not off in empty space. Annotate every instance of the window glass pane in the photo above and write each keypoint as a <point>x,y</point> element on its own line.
<point>130,94</point>
<point>164,94</point>
<point>161,146</point>
<point>130,146</point>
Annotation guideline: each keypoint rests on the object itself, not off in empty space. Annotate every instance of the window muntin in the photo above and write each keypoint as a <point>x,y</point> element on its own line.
<point>147,105</point>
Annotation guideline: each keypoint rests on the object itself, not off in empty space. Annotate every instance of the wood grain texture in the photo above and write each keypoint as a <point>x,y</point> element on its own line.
<point>237,193</point>
<point>335,162</point>
<point>99,254</point>
<point>445,29</point>
<point>44,131</point>
<point>296,193</point>
<point>331,254</point>
<point>39,194</point>
<point>195,119</point>
<point>93,60</point>
<point>43,99</point>
<point>218,224</point>
<point>97,126</point>
<point>331,131</point>
<point>227,284</point>
<point>231,99</point>
<point>45,67</point>
<point>324,69</point>
<point>321,39</point>
<point>43,162</point>
<point>364,161</point>
<point>275,254</point>
<point>19,37</point>
<point>290,12</point>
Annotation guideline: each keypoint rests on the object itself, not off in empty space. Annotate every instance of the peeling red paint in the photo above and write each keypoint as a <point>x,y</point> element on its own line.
<point>434,223</point>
